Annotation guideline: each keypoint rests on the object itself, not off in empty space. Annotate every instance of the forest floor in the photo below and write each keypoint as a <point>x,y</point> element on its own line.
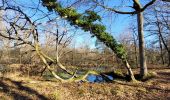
<point>13,87</point>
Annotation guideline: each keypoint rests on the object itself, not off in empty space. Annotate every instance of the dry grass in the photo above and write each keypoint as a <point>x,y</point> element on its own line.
<point>14,87</point>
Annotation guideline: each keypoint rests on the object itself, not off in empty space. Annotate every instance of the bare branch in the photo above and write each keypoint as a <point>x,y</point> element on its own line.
<point>148,4</point>
<point>112,9</point>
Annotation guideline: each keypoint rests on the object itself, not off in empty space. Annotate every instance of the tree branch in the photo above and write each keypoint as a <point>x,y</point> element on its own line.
<point>148,4</point>
<point>114,10</point>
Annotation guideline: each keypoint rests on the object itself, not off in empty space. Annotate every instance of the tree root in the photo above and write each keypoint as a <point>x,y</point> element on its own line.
<point>75,77</point>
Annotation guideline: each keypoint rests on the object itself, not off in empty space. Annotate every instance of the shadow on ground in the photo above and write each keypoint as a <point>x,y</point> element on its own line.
<point>17,91</point>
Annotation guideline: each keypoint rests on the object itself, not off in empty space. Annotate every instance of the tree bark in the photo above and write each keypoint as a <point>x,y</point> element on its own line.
<point>168,58</point>
<point>131,75</point>
<point>161,49</point>
<point>143,66</point>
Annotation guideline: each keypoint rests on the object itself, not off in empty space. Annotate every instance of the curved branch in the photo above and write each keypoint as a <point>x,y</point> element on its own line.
<point>114,10</point>
<point>122,12</point>
<point>48,67</point>
<point>148,4</point>
<point>58,63</point>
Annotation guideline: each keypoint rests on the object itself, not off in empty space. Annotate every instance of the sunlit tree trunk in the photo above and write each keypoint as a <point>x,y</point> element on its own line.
<point>130,73</point>
<point>143,67</point>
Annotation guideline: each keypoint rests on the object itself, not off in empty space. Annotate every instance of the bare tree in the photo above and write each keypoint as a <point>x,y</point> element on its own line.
<point>157,23</point>
<point>21,28</point>
<point>60,39</point>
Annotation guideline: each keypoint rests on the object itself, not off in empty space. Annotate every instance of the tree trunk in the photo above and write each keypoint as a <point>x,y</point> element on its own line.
<point>161,49</point>
<point>143,67</point>
<point>168,58</point>
<point>131,75</point>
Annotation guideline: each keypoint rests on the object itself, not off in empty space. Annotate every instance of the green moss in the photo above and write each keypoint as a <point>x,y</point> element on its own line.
<point>152,74</point>
<point>118,72</point>
<point>149,76</point>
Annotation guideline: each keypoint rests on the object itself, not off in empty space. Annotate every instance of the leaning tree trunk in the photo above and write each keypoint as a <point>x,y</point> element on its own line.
<point>143,66</point>
<point>130,73</point>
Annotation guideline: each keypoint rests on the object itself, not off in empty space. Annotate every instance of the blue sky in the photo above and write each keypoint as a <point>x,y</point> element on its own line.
<point>115,24</point>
